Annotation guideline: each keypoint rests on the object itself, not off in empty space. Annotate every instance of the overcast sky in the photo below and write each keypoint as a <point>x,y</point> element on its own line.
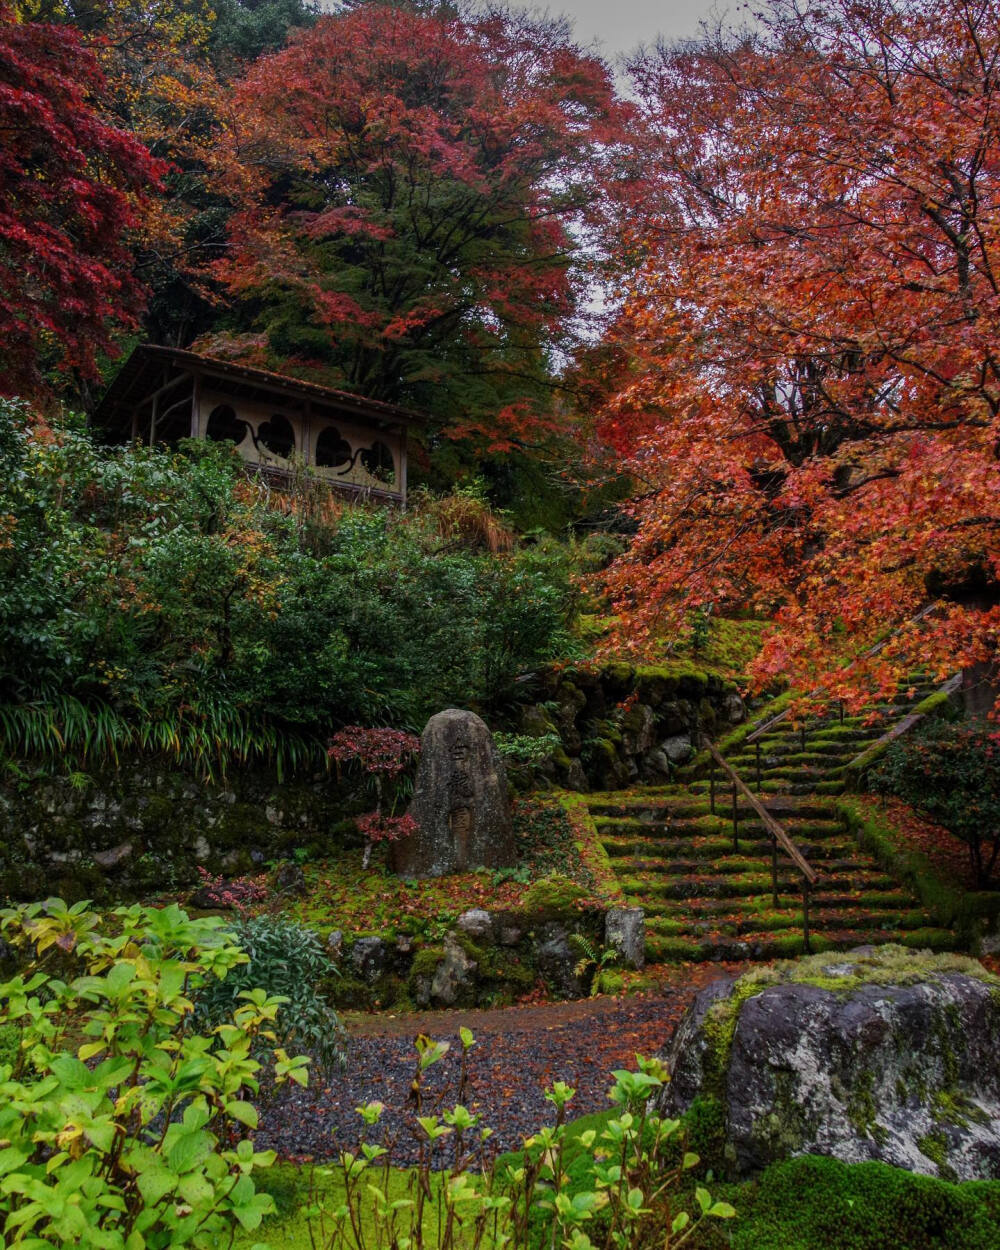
<point>618,26</point>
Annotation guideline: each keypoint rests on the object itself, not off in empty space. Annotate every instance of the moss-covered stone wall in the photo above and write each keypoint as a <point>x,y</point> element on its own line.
<point>141,829</point>
<point>621,723</point>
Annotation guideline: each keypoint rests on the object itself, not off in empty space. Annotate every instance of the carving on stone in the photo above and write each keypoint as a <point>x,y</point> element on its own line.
<point>459,801</point>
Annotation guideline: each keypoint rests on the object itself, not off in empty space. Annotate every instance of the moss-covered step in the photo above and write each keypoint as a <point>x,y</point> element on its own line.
<point>833,852</point>
<point>775,787</point>
<point>792,756</point>
<point>767,946</point>
<point>833,919</point>
<point>738,885</point>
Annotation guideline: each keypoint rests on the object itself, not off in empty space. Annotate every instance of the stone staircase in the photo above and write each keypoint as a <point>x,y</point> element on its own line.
<point>708,898</point>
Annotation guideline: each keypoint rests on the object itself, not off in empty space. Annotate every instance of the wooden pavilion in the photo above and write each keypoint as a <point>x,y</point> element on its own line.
<point>276,423</point>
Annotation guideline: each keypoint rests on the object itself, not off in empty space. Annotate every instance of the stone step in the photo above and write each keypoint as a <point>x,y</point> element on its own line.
<point>691,909</point>
<point>736,923</point>
<point>653,887</point>
<point>705,839</point>
<point>780,787</point>
<point>767,946</point>
<point>836,755</point>
<point>743,861</point>
<point>790,773</point>
<point>833,732</point>
<point>694,806</point>
<point>623,826</point>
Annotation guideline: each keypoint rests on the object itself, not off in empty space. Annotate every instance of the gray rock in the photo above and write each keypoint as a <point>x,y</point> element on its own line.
<point>573,776</point>
<point>335,943</point>
<point>625,932</point>
<point>290,879</point>
<point>113,858</point>
<point>734,709</point>
<point>656,764</point>
<point>640,735</point>
<point>477,923</point>
<point>459,802</point>
<point>454,976</point>
<point>202,850</point>
<point>990,945</point>
<point>678,748</point>
<point>509,935</point>
<point>556,960</point>
<point>898,1064</point>
<point>370,958</point>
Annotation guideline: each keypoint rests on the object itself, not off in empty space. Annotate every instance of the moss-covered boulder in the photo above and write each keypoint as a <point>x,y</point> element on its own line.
<point>884,1053</point>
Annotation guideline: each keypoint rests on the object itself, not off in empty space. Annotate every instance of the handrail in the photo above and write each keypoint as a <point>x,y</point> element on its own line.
<point>865,655</point>
<point>770,824</point>
<point>950,687</point>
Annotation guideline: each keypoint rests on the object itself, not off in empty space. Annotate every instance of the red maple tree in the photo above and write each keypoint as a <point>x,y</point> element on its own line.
<point>813,330</point>
<point>407,180</point>
<point>71,186</point>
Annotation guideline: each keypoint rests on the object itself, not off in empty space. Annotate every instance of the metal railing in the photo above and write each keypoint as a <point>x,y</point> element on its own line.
<point>774,830</point>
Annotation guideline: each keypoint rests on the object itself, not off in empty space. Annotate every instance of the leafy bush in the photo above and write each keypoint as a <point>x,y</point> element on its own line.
<point>951,774</point>
<point>120,1122</point>
<point>161,603</point>
<point>524,755</point>
<point>286,960</point>
<point>623,1193</point>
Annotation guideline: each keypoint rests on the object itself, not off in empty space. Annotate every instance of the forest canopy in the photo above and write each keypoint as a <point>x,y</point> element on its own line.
<point>793,230</point>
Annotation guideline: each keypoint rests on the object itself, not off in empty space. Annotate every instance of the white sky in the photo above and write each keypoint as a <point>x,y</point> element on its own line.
<point>618,26</point>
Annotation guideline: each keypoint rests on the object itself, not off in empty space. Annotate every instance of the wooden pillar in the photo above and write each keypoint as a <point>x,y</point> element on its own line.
<point>306,449</point>
<point>402,465</point>
<point>197,429</point>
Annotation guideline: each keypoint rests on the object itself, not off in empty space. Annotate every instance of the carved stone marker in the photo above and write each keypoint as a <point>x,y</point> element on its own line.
<point>459,802</point>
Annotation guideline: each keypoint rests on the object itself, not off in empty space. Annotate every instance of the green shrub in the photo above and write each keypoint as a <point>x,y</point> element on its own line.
<point>606,1183</point>
<point>126,1136</point>
<point>157,603</point>
<point>952,774</point>
<point>812,1202</point>
<point>285,959</point>
<point>10,1045</point>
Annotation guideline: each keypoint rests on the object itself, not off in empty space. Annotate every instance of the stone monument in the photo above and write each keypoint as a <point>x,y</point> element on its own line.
<point>459,802</point>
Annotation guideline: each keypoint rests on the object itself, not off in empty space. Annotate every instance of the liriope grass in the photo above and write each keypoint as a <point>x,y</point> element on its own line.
<point>209,739</point>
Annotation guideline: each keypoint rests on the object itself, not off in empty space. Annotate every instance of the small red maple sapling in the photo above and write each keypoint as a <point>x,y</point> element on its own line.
<point>383,754</point>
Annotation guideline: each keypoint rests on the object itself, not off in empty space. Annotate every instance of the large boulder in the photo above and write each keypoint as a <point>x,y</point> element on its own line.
<point>884,1054</point>
<point>459,802</point>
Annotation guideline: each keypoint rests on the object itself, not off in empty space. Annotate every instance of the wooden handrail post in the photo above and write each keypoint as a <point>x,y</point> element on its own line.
<point>760,788</point>
<point>805,915</point>
<point>802,735</point>
<point>774,872</point>
<point>711,789</point>
<point>770,824</point>
<point>736,820</point>
<point>841,701</point>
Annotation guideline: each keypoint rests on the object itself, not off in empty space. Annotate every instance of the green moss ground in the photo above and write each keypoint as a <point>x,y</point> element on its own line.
<point>554,837</point>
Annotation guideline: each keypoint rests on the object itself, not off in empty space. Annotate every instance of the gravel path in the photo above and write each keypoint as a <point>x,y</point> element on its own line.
<point>519,1052</point>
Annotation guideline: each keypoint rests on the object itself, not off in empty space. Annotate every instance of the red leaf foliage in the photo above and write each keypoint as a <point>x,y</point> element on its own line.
<point>813,406</point>
<point>406,180</point>
<point>383,751</point>
<point>70,187</point>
